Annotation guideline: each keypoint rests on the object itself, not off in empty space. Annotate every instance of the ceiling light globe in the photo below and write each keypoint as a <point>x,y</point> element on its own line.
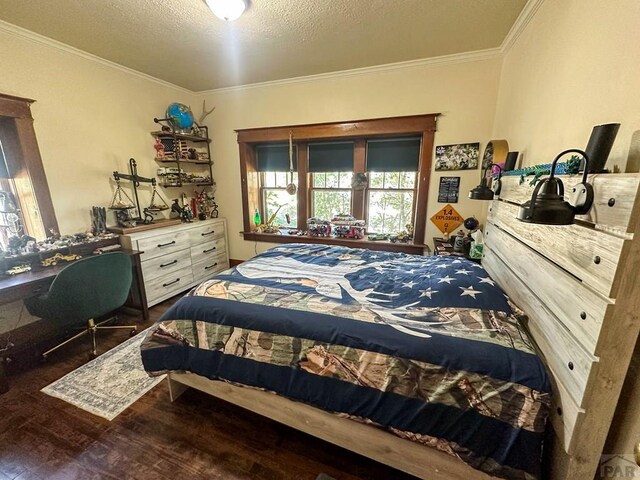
<point>228,10</point>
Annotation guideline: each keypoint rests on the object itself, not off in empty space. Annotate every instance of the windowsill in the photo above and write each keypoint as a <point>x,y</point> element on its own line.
<point>386,246</point>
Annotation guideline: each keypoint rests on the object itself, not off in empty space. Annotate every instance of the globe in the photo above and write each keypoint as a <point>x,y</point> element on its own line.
<point>471,223</point>
<point>180,116</point>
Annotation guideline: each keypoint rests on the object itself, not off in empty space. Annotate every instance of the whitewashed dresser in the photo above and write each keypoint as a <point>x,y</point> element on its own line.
<point>177,257</point>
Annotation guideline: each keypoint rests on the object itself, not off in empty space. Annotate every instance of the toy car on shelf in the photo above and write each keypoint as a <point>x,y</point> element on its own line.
<point>346,226</point>
<point>317,227</point>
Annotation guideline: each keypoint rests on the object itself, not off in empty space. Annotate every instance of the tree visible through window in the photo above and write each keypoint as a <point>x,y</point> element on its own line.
<point>331,194</point>
<point>390,201</point>
<point>276,199</point>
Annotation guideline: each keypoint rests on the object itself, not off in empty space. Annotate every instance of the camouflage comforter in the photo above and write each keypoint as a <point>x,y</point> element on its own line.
<point>426,347</point>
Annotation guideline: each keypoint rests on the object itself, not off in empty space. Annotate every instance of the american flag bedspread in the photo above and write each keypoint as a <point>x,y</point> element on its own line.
<point>428,348</point>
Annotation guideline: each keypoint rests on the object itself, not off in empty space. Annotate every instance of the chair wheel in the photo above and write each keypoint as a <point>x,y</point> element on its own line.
<point>133,332</point>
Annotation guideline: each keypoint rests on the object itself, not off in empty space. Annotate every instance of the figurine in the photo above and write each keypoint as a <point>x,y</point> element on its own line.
<point>176,209</point>
<point>148,216</point>
<point>159,148</point>
<point>187,214</point>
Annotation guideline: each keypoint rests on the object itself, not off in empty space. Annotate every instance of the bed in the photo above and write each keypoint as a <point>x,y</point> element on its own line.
<point>577,285</point>
<point>427,349</point>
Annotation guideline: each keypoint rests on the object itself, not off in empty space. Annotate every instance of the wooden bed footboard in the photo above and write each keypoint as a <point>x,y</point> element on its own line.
<point>372,442</point>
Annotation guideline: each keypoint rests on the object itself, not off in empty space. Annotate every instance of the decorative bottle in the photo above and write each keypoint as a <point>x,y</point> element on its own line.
<point>256,218</point>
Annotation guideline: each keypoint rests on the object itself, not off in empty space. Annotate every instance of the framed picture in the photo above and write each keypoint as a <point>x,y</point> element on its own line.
<point>461,156</point>
<point>449,190</point>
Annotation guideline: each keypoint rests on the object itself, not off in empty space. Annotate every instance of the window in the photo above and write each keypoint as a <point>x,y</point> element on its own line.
<point>393,167</point>
<point>331,167</point>
<point>390,201</point>
<point>276,200</point>
<point>330,194</point>
<point>273,164</point>
<point>25,202</point>
<point>394,154</point>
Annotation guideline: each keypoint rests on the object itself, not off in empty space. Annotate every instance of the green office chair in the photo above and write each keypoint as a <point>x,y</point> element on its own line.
<point>83,291</point>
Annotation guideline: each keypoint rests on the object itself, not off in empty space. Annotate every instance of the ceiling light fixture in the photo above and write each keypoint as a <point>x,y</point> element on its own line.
<point>228,10</point>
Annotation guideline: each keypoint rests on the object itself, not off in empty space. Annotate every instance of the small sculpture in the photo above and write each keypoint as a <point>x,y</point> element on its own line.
<point>159,148</point>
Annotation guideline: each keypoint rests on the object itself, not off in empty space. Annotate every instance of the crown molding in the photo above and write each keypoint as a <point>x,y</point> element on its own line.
<point>465,57</point>
<point>527,13</point>
<point>23,33</point>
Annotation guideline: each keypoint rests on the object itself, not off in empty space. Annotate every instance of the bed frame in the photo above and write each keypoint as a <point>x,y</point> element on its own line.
<point>578,285</point>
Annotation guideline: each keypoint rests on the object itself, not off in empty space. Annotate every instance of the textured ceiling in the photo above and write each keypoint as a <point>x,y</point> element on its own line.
<point>182,42</point>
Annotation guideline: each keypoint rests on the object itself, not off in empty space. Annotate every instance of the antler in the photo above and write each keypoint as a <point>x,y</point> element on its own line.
<point>205,112</point>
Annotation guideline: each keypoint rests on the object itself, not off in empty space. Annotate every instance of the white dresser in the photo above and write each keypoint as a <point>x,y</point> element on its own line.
<point>178,257</point>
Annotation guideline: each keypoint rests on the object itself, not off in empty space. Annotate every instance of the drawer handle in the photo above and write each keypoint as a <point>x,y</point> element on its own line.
<point>160,245</point>
<point>209,250</point>
<point>167,264</point>
<point>171,283</point>
<point>211,266</point>
<point>208,233</point>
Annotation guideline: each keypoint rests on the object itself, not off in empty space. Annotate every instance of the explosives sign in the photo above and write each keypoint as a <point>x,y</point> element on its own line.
<point>447,219</point>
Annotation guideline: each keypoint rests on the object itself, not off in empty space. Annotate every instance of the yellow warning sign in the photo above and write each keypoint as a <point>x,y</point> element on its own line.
<point>447,219</point>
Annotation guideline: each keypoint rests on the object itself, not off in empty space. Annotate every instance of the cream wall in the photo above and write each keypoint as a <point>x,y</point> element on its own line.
<point>576,65</point>
<point>90,118</point>
<point>465,93</point>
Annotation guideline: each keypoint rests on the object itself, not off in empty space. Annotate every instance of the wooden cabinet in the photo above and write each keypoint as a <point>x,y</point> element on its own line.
<point>177,257</point>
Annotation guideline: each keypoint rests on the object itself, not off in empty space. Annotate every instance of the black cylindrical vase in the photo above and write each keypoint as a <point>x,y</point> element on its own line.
<point>599,146</point>
<point>510,162</point>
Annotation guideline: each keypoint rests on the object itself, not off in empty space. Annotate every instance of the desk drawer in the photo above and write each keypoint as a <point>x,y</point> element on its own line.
<point>209,267</point>
<point>162,244</point>
<point>172,282</point>
<point>163,265</point>
<point>204,251</point>
<point>205,233</point>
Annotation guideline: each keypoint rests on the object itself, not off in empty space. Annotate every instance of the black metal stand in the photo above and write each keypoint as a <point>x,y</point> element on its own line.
<point>135,180</point>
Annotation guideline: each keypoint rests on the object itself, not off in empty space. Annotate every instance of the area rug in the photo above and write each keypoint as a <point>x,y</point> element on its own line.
<point>109,384</point>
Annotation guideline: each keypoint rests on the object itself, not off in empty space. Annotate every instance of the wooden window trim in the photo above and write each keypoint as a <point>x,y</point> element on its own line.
<point>26,149</point>
<point>359,131</point>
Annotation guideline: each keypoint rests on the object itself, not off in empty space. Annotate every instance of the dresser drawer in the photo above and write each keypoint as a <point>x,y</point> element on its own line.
<point>207,250</point>
<point>162,244</point>
<point>206,233</point>
<point>209,267</point>
<point>159,266</point>
<point>172,282</point>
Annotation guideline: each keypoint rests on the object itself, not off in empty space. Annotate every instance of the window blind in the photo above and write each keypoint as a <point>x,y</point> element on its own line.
<point>331,157</point>
<point>393,154</point>
<point>275,157</point>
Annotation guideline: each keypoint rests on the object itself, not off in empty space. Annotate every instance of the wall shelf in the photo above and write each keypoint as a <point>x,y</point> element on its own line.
<point>178,143</point>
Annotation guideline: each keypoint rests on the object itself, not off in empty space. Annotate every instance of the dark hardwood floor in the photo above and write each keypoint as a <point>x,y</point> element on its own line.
<point>198,436</point>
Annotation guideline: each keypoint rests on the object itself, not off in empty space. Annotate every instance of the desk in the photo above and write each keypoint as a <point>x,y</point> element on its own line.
<point>38,280</point>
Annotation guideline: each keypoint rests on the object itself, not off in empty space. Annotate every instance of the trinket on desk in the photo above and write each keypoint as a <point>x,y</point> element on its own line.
<point>17,269</point>
<point>58,257</point>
